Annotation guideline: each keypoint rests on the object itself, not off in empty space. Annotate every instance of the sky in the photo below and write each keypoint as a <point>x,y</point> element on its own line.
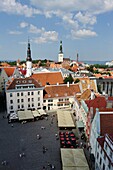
<point>84,26</point>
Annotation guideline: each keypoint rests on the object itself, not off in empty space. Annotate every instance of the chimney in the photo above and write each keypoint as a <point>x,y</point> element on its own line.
<point>68,84</point>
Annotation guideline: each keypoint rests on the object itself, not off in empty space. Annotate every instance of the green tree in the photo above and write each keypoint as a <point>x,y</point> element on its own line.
<point>68,79</point>
<point>76,81</point>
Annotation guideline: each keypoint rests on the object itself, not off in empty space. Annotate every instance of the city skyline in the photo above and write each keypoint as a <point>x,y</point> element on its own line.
<point>84,27</point>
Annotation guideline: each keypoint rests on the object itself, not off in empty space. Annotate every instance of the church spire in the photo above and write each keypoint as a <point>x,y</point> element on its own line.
<point>28,61</point>
<point>29,52</point>
<point>61,51</point>
<point>60,55</point>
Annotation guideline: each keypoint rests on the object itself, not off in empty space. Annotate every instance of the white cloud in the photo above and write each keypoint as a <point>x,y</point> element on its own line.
<point>47,36</point>
<point>82,33</point>
<point>74,5</point>
<point>43,36</point>
<point>23,24</point>
<point>85,18</point>
<point>33,29</point>
<point>15,32</point>
<point>11,6</point>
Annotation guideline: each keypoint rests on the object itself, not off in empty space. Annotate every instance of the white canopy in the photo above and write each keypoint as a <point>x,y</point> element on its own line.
<point>73,159</point>
<point>65,119</point>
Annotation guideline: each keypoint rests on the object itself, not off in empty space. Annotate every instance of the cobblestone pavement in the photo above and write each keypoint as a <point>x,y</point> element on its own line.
<point>21,149</point>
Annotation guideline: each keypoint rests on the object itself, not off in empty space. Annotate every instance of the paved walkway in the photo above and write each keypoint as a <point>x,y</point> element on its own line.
<point>21,149</point>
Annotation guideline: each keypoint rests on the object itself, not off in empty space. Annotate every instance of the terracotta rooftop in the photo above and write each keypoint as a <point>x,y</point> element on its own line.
<point>106,123</point>
<point>51,78</point>
<point>61,90</point>
<point>23,81</point>
<point>98,102</point>
<point>9,71</point>
<point>86,83</point>
<point>85,95</point>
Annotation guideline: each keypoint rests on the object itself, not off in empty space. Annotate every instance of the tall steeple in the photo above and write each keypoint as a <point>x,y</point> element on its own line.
<point>61,51</point>
<point>29,52</point>
<point>28,61</point>
<point>60,55</point>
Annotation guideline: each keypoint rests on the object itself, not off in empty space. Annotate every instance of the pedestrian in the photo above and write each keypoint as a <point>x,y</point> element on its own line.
<point>44,168</point>
<point>38,136</point>
<point>56,134</point>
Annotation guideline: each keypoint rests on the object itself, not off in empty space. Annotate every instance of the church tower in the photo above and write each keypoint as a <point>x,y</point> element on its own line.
<point>60,55</point>
<point>28,61</point>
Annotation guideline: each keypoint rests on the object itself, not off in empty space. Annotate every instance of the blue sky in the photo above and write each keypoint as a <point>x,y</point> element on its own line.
<point>84,26</point>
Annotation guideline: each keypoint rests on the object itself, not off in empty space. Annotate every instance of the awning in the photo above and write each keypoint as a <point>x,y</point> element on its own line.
<point>25,115</point>
<point>65,119</point>
<point>80,124</point>
<point>73,159</point>
<point>36,113</point>
<point>42,112</point>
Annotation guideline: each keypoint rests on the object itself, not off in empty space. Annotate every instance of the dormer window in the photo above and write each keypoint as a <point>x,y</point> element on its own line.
<point>29,81</point>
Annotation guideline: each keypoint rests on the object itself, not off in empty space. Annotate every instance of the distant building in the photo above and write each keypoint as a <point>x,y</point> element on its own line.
<point>24,94</point>
<point>60,55</point>
<point>60,96</point>
<point>104,154</point>
<point>29,61</point>
<point>109,63</point>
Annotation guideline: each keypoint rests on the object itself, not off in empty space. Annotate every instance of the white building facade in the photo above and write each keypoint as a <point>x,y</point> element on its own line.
<point>24,94</point>
<point>104,154</point>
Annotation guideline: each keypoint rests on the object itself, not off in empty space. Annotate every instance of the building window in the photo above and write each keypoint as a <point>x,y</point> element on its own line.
<point>60,100</point>
<point>38,98</point>
<point>67,99</point>
<point>17,94</point>
<point>32,93</point>
<point>11,107</point>
<point>104,157</point>
<point>18,100</point>
<point>50,100</point>
<point>32,104</point>
<point>28,99</point>
<point>38,104</point>
<point>97,155</point>
<point>103,166</point>
<point>22,106</point>
<point>18,106</point>
<point>109,165</point>
<point>110,154</point>
<point>66,104</point>
<point>60,105</point>
<point>32,99</point>
<point>38,92</point>
<point>50,104</point>
<point>11,101</point>
<point>44,101</point>
<point>11,95</point>
<point>100,161</point>
<point>22,94</point>
<point>22,100</point>
<point>105,146</point>
<point>28,93</point>
<point>28,105</point>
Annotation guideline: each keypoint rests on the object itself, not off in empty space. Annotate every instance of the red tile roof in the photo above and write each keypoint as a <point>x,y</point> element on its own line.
<point>9,71</point>
<point>106,123</point>
<point>51,78</point>
<point>61,90</point>
<point>23,81</point>
<point>98,102</point>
